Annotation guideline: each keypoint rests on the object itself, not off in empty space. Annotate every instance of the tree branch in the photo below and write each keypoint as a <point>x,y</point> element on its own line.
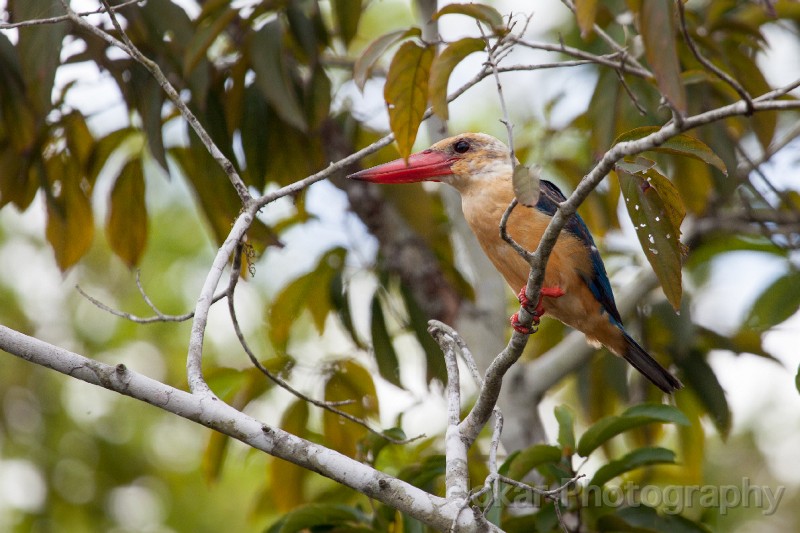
<point>213,413</point>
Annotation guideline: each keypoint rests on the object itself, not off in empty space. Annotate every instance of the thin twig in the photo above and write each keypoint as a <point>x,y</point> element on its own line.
<point>466,353</point>
<point>329,406</point>
<point>606,37</point>
<point>609,60</point>
<point>508,238</point>
<point>64,18</point>
<point>721,74</point>
<point>160,317</point>
<point>621,76</point>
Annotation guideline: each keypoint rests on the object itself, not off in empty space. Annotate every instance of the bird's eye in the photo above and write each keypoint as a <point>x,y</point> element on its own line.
<point>461,146</point>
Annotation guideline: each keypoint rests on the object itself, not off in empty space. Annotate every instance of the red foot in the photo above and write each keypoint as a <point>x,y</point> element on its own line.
<point>536,311</point>
<point>525,330</point>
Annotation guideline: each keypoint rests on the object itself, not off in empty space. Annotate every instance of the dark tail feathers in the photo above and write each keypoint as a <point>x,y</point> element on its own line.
<point>649,367</point>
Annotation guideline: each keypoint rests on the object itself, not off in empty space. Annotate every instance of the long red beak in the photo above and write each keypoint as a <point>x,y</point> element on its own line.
<point>421,166</point>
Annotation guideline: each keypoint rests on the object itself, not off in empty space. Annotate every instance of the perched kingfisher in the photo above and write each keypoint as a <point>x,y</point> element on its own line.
<point>576,289</point>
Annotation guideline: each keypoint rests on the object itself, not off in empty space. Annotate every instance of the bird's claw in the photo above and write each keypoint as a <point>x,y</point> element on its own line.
<point>525,330</point>
<point>536,311</point>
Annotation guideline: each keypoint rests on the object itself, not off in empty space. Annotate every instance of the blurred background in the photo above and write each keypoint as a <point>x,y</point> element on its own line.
<point>326,307</point>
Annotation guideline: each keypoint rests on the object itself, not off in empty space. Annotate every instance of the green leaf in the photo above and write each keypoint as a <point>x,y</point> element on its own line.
<point>39,50</point>
<point>348,381</point>
<point>149,99</point>
<point>317,515</point>
<point>797,379</point>
<point>70,222</point>
<point>531,457</point>
<point>777,303</point>
<point>637,416</point>
<point>126,226</point>
<point>341,303</point>
<point>318,98</point>
<point>443,66</point>
<point>204,37</point>
<point>656,210</point>
<point>406,92</point>
<point>347,14</point>
<point>526,185</point>
<point>272,73</point>
<point>308,29</point>
<point>681,144</point>
<point>486,14</point>
<point>658,35</point>
<point>631,461</point>
<point>382,347</point>
<point>700,377</point>
<point>363,67</point>
<point>287,478</point>
<point>566,429</point>
<point>646,519</point>
<point>434,360</point>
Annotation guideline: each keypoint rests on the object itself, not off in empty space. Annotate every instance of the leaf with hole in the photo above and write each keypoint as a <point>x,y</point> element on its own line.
<point>681,144</point>
<point>656,210</point>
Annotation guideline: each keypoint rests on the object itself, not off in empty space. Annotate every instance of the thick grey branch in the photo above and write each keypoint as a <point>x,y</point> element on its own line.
<point>217,415</point>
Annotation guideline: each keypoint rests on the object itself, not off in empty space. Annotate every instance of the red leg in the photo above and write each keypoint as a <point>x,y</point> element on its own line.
<point>515,323</point>
<point>537,310</point>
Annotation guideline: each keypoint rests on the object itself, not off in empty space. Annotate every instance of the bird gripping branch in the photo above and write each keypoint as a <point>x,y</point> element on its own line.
<point>576,289</point>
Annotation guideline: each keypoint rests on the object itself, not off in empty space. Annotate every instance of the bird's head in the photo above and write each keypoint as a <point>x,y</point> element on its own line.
<point>459,161</point>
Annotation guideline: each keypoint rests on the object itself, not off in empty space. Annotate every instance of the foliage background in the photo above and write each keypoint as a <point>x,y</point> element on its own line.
<point>73,457</point>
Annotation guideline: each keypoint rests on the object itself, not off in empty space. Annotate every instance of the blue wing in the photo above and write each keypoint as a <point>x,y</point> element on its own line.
<point>597,281</point>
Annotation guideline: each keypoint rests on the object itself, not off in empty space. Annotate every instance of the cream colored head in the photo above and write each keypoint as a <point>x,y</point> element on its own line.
<point>461,161</point>
<point>477,158</point>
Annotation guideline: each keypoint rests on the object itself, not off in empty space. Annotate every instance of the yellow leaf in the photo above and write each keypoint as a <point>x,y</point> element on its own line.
<point>585,12</point>
<point>348,381</point>
<point>406,92</point>
<point>70,222</point>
